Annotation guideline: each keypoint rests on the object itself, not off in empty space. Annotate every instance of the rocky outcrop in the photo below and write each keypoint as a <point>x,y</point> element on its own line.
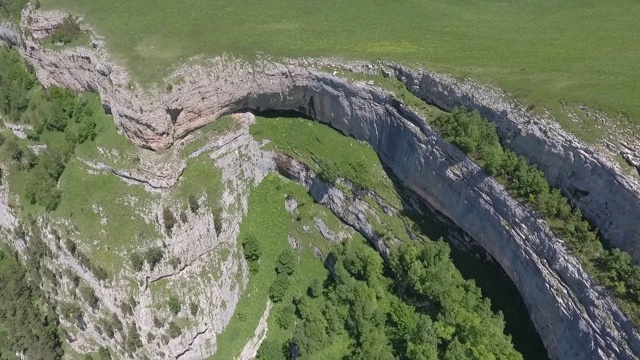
<point>575,317</point>
<point>9,34</point>
<point>609,198</point>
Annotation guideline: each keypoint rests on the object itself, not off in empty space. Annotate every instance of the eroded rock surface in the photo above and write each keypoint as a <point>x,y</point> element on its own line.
<point>609,198</point>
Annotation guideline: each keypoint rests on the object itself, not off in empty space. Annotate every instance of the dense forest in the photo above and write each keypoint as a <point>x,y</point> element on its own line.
<point>416,307</point>
<point>611,267</point>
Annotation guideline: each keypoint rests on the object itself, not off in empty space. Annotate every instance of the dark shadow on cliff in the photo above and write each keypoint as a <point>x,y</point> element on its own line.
<point>474,263</point>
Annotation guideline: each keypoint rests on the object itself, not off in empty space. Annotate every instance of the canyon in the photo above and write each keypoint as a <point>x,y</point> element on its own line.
<point>575,317</point>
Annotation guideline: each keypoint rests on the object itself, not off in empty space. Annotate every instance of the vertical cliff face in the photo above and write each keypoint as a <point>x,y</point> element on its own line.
<point>609,198</point>
<point>575,317</point>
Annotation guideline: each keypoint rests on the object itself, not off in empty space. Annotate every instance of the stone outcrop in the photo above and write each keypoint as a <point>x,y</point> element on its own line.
<point>609,198</point>
<point>575,317</point>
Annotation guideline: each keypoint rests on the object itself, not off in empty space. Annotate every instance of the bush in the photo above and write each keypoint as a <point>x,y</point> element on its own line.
<point>286,263</point>
<point>136,261</point>
<point>169,220</point>
<point>153,256</point>
<point>279,288</point>
<point>252,252</point>
<point>174,305</point>
<point>193,204</point>
<point>193,308</point>
<point>68,31</point>
<point>174,330</point>
<point>271,350</point>
<point>315,289</point>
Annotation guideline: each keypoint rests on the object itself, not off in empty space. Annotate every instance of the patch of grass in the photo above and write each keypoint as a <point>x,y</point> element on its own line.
<point>201,177</point>
<point>541,51</point>
<point>107,212</point>
<point>327,152</point>
<point>222,125</point>
<point>270,223</point>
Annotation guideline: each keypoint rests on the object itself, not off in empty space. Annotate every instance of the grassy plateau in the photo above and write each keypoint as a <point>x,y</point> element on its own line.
<point>543,52</point>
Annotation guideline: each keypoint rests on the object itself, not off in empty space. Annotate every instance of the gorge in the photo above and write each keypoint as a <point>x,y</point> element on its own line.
<point>575,317</point>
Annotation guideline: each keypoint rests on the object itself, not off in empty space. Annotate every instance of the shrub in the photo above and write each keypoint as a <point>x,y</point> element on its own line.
<point>153,256</point>
<point>133,341</point>
<point>68,31</point>
<point>286,263</point>
<point>252,252</point>
<point>14,150</point>
<point>89,296</point>
<point>174,305</point>
<point>193,308</point>
<point>174,330</point>
<point>104,354</point>
<point>193,204</point>
<point>169,220</point>
<point>315,289</point>
<point>279,288</point>
<point>137,262</point>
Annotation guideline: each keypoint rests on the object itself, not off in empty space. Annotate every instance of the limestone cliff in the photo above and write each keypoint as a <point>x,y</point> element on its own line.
<point>609,198</point>
<point>575,317</point>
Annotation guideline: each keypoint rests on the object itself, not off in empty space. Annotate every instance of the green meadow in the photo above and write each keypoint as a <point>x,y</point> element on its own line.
<point>543,52</point>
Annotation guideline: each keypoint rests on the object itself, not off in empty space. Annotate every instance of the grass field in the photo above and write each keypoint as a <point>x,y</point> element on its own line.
<point>581,51</point>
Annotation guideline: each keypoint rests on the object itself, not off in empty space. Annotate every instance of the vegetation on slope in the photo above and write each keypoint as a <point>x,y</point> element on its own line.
<point>27,324</point>
<point>425,310</point>
<point>299,138</point>
<point>611,267</point>
<point>10,9</point>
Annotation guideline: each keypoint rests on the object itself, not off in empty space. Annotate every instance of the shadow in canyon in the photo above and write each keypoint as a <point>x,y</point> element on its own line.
<point>473,262</point>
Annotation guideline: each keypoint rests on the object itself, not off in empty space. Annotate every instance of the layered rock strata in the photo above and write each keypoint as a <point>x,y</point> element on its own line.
<point>608,197</point>
<point>574,316</point>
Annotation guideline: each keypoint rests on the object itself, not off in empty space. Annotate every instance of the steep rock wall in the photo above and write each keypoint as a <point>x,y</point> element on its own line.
<point>575,317</point>
<point>609,198</point>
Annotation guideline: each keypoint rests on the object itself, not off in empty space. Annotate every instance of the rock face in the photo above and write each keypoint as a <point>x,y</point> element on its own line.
<point>609,198</point>
<point>574,316</point>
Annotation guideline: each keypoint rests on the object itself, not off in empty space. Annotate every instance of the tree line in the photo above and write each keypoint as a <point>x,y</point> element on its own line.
<point>416,307</point>
<point>612,268</point>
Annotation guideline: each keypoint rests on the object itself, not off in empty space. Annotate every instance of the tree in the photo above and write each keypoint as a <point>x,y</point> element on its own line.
<point>252,252</point>
<point>66,32</point>
<point>279,287</point>
<point>315,289</point>
<point>271,350</point>
<point>286,316</point>
<point>286,263</point>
